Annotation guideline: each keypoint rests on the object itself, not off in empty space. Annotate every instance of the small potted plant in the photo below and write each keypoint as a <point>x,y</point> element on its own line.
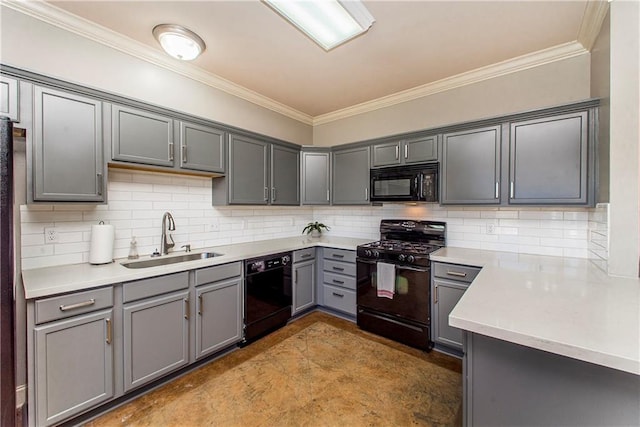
<point>314,229</point>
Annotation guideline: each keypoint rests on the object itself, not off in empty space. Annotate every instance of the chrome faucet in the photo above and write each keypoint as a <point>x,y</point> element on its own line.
<point>164,242</point>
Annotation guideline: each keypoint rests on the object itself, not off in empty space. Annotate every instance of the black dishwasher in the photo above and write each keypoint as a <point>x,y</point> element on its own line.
<point>267,294</point>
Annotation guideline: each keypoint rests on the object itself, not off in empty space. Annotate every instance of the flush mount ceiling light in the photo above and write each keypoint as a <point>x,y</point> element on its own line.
<point>327,22</point>
<point>178,41</point>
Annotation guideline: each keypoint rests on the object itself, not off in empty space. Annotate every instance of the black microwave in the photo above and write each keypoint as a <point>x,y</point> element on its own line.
<point>415,183</point>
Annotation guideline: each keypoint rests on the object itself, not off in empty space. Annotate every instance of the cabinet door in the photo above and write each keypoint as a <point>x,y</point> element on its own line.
<point>141,137</point>
<point>471,167</point>
<point>73,366</point>
<point>67,152</point>
<point>156,337</point>
<point>9,98</point>
<point>201,148</point>
<point>548,160</point>
<point>385,154</point>
<point>315,178</point>
<point>351,176</point>
<point>219,316</point>
<point>285,176</point>
<point>304,291</point>
<point>248,167</point>
<point>446,296</point>
<point>419,150</point>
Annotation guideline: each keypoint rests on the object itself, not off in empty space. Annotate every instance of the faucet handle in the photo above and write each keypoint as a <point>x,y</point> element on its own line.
<point>188,248</point>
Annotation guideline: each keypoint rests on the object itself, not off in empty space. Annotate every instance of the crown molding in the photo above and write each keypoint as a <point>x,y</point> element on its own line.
<point>594,14</point>
<point>53,15</point>
<point>524,62</point>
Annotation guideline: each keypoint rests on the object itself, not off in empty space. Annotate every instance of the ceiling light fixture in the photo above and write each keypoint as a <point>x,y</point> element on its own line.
<point>178,41</point>
<point>327,22</point>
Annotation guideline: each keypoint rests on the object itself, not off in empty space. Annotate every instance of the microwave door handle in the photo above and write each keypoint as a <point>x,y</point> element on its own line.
<point>421,178</point>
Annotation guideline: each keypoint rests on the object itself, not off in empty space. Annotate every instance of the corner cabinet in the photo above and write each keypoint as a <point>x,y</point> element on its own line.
<point>351,176</point>
<point>413,150</point>
<point>316,178</point>
<point>285,176</point>
<point>67,154</point>
<point>471,166</point>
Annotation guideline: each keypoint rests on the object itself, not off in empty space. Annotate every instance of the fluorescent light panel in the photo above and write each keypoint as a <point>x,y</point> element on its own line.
<point>327,22</point>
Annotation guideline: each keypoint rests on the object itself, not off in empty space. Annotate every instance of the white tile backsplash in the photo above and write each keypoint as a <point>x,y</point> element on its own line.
<point>137,201</point>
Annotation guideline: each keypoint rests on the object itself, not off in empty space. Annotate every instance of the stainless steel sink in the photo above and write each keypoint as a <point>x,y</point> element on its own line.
<point>155,262</point>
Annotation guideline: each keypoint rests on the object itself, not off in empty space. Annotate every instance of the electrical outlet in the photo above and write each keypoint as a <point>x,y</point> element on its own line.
<point>491,229</point>
<point>50,235</point>
<point>214,226</point>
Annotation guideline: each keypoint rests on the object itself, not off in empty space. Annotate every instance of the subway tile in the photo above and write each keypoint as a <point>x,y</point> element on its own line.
<point>550,215</point>
<point>122,195</point>
<point>575,253</point>
<point>576,216</point>
<point>43,216</point>
<point>71,248</point>
<point>132,205</point>
<point>37,251</point>
<point>32,239</point>
<point>71,237</point>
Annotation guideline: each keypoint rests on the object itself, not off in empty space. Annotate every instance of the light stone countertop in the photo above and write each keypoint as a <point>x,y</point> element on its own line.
<point>43,282</point>
<point>565,306</point>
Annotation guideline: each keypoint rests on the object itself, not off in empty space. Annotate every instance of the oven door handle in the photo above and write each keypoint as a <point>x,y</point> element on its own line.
<point>398,266</point>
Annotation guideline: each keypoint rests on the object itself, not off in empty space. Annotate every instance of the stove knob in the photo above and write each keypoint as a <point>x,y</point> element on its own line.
<point>401,257</point>
<point>411,258</point>
<point>367,252</point>
<point>376,254</point>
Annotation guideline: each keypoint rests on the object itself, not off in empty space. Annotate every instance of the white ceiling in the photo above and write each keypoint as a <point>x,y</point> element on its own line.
<point>412,43</point>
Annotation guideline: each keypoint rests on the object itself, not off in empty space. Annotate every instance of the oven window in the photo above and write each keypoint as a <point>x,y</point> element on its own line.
<point>392,187</point>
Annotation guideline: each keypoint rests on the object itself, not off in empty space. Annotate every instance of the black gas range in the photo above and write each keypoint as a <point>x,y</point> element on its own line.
<point>393,276</point>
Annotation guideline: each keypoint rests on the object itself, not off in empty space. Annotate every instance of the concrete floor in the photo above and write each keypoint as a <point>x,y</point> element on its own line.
<point>317,371</point>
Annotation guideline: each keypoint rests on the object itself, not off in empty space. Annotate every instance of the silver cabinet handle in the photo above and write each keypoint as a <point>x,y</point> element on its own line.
<point>327,195</point>
<point>406,151</point>
<point>497,189</point>
<point>435,295</point>
<point>335,294</point>
<point>305,256</point>
<point>184,154</point>
<point>186,308</point>
<point>397,152</point>
<point>295,280</point>
<point>338,268</point>
<point>337,255</point>
<point>366,194</point>
<point>200,305</point>
<point>273,194</point>
<point>108,322</point>
<point>457,274</point>
<point>511,190</point>
<point>63,307</point>
<point>339,282</point>
<point>171,151</point>
<point>266,194</point>
<point>100,183</point>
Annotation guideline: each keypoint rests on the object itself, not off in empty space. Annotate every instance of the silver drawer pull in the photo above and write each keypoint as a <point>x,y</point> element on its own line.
<point>78,305</point>
<point>337,256</point>
<point>455,273</point>
<point>305,256</point>
<point>335,294</point>
<point>339,282</point>
<point>338,268</point>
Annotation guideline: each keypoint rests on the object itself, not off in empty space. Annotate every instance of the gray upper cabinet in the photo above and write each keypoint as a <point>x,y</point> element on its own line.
<point>351,176</point>
<point>471,166</point>
<point>285,176</point>
<point>68,162</point>
<point>548,160</point>
<point>315,178</point>
<point>202,148</point>
<point>9,98</point>
<point>414,150</point>
<point>248,171</point>
<point>141,137</point>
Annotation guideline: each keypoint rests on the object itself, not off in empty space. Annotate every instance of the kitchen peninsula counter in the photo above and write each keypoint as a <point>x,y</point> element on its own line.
<point>43,282</point>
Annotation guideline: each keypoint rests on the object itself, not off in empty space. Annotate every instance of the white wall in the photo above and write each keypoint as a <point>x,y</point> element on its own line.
<point>33,45</point>
<point>552,84</point>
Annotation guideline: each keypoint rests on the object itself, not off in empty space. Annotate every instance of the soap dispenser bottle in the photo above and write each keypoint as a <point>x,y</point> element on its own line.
<point>133,249</point>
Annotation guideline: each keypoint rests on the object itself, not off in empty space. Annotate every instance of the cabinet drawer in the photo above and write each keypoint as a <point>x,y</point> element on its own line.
<point>340,299</point>
<point>154,286</point>
<point>461,273</point>
<point>217,273</point>
<point>340,267</point>
<point>340,280</point>
<point>73,304</point>
<point>304,254</point>
<point>340,254</point>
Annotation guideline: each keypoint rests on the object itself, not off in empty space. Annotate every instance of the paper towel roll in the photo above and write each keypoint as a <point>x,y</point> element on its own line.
<point>101,249</point>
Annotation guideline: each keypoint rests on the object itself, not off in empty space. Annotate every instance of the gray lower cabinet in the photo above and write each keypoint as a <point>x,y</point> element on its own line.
<point>156,328</point>
<point>471,166</point>
<point>304,280</point>
<point>316,180</point>
<point>285,176</point>
<point>68,162</point>
<point>141,136</point>
<point>413,150</point>
<point>339,280</point>
<point>351,176</point>
<point>218,308</point>
<point>549,160</point>
<point>448,283</point>
<point>248,171</point>
<point>9,98</point>
<point>202,148</point>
